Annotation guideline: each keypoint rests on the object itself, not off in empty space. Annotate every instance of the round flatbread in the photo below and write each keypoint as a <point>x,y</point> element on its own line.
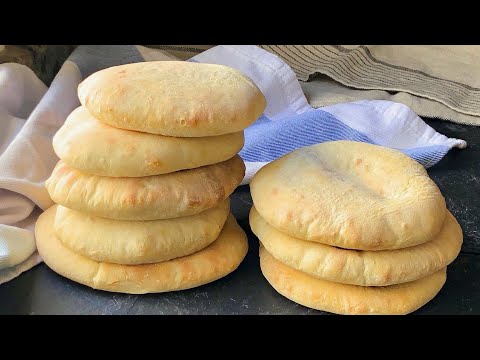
<point>138,242</point>
<point>349,299</point>
<point>173,98</point>
<point>99,149</point>
<point>166,196</point>
<point>215,261</point>
<point>351,195</point>
<point>365,268</point>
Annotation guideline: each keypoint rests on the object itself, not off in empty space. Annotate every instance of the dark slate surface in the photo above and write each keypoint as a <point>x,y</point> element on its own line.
<point>458,177</point>
<point>41,291</point>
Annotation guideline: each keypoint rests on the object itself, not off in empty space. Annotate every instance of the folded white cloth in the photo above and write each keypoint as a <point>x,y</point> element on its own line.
<point>30,116</point>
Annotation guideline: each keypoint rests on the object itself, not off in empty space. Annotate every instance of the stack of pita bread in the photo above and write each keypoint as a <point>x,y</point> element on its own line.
<point>352,228</point>
<point>147,166</point>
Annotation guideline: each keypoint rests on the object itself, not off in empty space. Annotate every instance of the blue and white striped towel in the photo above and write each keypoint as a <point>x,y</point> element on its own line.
<point>289,122</point>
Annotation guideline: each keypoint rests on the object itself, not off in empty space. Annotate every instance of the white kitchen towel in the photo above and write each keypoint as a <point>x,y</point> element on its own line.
<point>30,116</point>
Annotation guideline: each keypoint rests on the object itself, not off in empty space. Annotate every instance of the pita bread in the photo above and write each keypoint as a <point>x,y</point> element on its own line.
<point>138,242</point>
<point>99,149</point>
<point>166,196</point>
<point>351,195</point>
<point>349,299</point>
<point>215,261</point>
<point>173,98</point>
<point>365,268</point>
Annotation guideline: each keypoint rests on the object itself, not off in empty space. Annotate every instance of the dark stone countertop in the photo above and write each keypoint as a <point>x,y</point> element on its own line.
<point>245,291</point>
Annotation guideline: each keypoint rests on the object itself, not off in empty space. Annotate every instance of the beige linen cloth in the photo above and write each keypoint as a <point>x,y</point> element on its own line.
<point>437,81</point>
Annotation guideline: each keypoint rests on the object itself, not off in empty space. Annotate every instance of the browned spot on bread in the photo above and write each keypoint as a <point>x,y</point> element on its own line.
<point>386,276</point>
<point>134,185</point>
<point>154,163</point>
<point>130,199</point>
<point>357,309</point>
<point>193,203</point>
<point>290,215</point>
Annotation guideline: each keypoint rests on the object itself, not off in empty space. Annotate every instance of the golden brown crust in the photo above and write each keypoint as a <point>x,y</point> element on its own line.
<point>99,149</point>
<point>166,196</point>
<point>215,261</point>
<point>349,299</point>
<point>173,98</point>
<point>138,242</point>
<point>365,268</point>
<point>350,194</point>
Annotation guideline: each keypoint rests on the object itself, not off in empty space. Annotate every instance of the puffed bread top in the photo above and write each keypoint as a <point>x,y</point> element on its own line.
<point>173,98</point>
<point>351,195</point>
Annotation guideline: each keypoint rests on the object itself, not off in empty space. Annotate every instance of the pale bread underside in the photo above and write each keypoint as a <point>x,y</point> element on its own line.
<point>166,196</point>
<point>138,242</point>
<point>215,261</point>
<point>365,268</point>
<point>95,148</point>
<point>349,299</point>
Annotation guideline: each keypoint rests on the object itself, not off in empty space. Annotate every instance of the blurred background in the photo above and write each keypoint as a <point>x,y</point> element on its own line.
<point>46,60</point>
<point>35,57</point>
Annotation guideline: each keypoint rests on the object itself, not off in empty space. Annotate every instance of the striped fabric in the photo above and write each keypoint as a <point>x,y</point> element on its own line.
<point>360,69</point>
<point>268,140</point>
<point>448,76</point>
